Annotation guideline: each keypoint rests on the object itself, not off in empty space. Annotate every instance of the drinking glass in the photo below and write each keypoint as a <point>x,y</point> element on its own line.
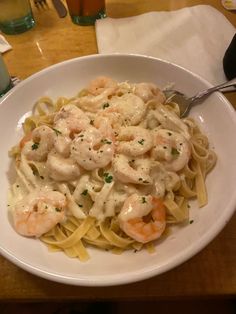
<point>85,12</point>
<point>5,80</point>
<point>15,16</point>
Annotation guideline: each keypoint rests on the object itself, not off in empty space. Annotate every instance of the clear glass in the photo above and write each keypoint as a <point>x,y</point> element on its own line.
<point>5,80</point>
<point>15,16</point>
<point>86,12</point>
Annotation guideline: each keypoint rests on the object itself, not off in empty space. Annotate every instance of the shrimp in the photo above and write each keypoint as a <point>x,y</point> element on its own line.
<point>62,169</point>
<point>128,170</point>
<point>39,212</point>
<point>172,149</point>
<point>101,83</point>
<point>143,218</point>
<point>94,148</point>
<point>127,109</point>
<point>93,103</point>
<point>134,141</point>
<point>149,91</point>
<point>40,145</point>
<point>69,120</point>
<point>68,111</point>
<point>62,145</point>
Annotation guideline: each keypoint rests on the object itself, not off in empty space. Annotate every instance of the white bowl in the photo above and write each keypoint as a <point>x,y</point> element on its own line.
<point>216,118</point>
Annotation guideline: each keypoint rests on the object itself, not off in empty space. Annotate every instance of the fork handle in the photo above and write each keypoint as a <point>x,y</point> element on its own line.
<point>60,8</point>
<point>208,91</point>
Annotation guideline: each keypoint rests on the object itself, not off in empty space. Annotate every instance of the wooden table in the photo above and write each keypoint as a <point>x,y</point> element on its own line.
<point>212,272</point>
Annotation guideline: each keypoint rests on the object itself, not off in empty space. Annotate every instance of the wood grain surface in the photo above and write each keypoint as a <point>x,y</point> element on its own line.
<point>212,272</point>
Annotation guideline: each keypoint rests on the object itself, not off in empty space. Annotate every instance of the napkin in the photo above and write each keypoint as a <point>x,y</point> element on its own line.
<point>195,38</point>
<point>4,45</point>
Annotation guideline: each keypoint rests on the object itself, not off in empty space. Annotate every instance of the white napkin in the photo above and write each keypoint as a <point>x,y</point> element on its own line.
<point>4,45</point>
<point>195,38</point>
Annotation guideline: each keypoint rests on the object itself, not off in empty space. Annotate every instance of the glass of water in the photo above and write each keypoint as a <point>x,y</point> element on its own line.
<point>15,16</point>
<point>5,80</point>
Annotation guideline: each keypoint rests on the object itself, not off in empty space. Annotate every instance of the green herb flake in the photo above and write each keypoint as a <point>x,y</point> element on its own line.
<point>105,141</point>
<point>85,192</point>
<point>174,151</point>
<point>140,179</point>
<point>144,200</point>
<point>145,181</point>
<point>35,172</point>
<point>106,105</point>
<point>191,221</point>
<point>141,142</point>
<point>169,133</point>
<point>91,122</point>
<point>107,177</point>
<point>80,205</point>
<point>57,131</point>
<point>35,146</point>
<point>57,209</point>
<point>42,177</point>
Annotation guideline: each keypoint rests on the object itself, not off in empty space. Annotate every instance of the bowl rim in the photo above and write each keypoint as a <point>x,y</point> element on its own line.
<point>118,279</point>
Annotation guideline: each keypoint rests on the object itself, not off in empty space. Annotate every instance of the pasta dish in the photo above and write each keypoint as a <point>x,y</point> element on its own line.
<point>112,167</point>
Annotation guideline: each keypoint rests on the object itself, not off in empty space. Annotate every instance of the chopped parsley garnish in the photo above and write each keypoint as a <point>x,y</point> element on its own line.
<point>140,179</point>
<point>105,105</point>
<point>91,122</point>
<point>174,151</point>
<point>42,177</point>
<point>145,181</point>
<point>57,209</point>
<point>80,205</point>
<point>144,200</point>
<point>191,221</point>
<point>107,177</point>
<point>35,171</point>
<point>35,146</point>
<point>141,141</point>
<point>105,141</point>
<point>169,133</point>
<point>85,192</point>
<point>57,131</point>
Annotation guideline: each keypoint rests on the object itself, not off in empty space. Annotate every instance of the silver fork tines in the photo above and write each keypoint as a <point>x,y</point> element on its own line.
<point>40,3</point>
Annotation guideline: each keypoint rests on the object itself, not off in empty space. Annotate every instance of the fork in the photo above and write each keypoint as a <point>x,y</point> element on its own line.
<point>41,3</point>
<point>186,103</point>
